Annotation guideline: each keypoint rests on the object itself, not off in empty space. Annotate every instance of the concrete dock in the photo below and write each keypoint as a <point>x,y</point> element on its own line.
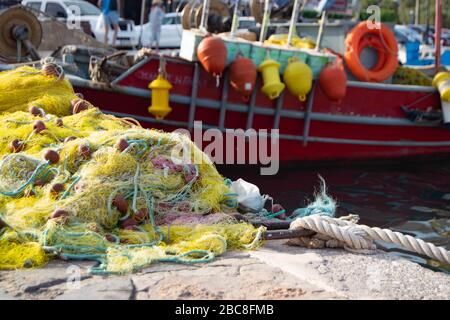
<point>275,271</point>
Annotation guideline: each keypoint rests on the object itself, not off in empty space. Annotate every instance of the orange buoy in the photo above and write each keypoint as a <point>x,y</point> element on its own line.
<point>383,41</point>
<point>333,81</point>
<point>243,75</point>
<point>212,54</point>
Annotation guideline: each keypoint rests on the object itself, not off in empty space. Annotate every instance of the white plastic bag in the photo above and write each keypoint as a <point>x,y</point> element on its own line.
<point>100,26</point>
<point>249,196</point>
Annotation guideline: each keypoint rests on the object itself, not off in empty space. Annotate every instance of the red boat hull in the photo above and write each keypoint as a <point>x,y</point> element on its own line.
<point>368,124</point>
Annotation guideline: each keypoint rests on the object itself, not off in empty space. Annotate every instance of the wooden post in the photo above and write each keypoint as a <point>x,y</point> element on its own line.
<point>205,14</point>
<point>416,18</point>
<point>322,22</point>
<point>235,21</point>
<point>142,22</point>
<point>293,25</point>
<point>265,22</point>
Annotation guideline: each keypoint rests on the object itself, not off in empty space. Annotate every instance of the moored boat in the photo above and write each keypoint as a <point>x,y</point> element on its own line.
<point>369,122</point>
<point>372,121</point>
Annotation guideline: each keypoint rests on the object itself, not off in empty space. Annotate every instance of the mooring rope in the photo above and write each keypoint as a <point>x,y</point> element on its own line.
<point>345,232</point>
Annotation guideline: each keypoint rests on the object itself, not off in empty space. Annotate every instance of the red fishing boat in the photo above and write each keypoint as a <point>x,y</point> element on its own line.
<point>372,121</point>
<point>369,123</point>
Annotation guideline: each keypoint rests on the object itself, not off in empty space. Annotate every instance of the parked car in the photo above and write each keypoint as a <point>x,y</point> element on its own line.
<point>171,31</point>
<point>405,33</point>
<point>4,4</point>
<point>72,11</point>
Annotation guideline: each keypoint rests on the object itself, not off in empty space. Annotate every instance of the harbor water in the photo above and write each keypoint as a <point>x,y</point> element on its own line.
<point>410,197</point>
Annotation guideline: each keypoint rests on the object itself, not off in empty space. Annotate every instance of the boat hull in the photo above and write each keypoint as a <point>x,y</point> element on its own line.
<point>368,124</point>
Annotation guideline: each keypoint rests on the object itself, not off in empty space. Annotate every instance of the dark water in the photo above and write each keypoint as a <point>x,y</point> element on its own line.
<point>411,197</point>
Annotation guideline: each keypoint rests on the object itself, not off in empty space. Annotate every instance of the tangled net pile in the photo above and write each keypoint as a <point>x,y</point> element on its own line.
<point>24,87</point>
<point>410,76</point>
<point>90,186</point>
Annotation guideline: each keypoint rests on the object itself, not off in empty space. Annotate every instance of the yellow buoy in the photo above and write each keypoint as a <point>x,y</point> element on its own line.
<point>442,82</point>
<point>298,78</point>
<point>271,77</point>
<point>297,42</point>
<point>160,97</point>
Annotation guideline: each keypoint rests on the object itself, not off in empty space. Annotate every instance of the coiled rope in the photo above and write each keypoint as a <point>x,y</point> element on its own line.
<point>345,232</point>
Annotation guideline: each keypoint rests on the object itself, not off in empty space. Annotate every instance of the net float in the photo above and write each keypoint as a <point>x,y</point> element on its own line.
<point>120,203</point>
<point>39,126</point>
<point>58,213</point>
<point>39,183</point>
<point>141,215</point>
<point>59,122</point>
<point>73,103</point>
<point>122,144</point>
<point>80,105</point>
<point>110,237</point>
<point>16,145</point>
<point>57,188</point>
<point>35,111</point>
<point>127,223</point>
<point>52,156</point>
<point>52,69</point>
<point>84,150</point>
<point>70,138</point>
<point>278,208</point>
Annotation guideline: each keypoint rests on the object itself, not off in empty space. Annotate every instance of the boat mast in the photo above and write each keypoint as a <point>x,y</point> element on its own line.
<point>437,34</point>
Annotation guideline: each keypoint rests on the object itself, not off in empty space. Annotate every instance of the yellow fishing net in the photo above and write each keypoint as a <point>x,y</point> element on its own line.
<point>410,76</point>
<point>93,186</point>
<point>24,87</point>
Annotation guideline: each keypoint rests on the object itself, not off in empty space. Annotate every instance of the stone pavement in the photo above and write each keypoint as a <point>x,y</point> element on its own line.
<point>275,271</point>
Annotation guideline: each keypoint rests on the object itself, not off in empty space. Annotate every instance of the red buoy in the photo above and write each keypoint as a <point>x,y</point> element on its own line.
<point>243,75</point>
<point>16,145</point>
<point>333,82</point>
<point>212,54</point>
<point>59,213</point>
<point>52,156</point>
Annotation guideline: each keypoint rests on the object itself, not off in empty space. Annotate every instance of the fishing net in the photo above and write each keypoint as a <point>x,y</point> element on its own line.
<point>410,76</point>
<point>90,186</point>
<point>25,87</point>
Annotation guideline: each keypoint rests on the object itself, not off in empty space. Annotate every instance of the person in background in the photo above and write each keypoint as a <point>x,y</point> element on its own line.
<point>110,10</point>
<point>156,17</point>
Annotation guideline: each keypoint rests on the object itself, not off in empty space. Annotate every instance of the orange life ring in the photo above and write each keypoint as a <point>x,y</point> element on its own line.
<point>383,41</point>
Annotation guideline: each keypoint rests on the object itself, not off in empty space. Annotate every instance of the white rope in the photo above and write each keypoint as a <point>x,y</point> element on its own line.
<point>344,232</point>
